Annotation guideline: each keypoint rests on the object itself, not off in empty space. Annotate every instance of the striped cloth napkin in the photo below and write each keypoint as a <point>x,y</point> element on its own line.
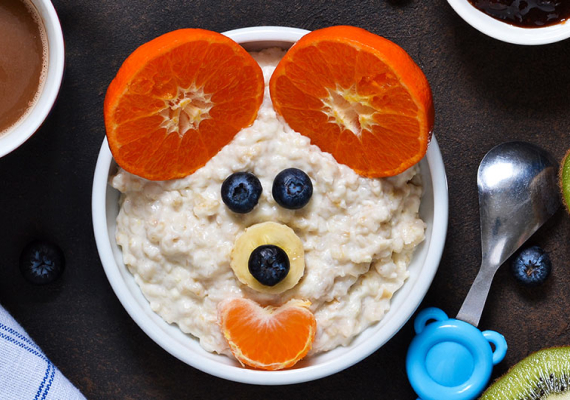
<point>25,371</point>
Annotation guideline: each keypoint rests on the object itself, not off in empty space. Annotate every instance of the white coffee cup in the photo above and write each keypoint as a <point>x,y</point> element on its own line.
<point>26,127</point>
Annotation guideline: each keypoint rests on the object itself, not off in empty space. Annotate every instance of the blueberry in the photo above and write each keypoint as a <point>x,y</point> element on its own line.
<point>241,192</point>
<point>268,264</point>
<point>531,266</point>
<point>292,189</point>
<point>41,262</point>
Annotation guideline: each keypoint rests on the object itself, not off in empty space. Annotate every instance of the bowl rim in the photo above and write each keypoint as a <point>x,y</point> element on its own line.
<point>509,33</point>
<point>148,321</point>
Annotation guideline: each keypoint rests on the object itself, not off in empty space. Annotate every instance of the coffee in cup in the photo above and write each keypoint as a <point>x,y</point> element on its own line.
<point>23,61</point>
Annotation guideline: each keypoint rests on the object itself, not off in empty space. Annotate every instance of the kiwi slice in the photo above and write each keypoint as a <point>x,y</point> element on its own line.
<point>565,179</point>
<point>542,375</point>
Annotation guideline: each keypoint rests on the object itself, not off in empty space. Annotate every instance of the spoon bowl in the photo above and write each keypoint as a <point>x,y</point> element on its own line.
<point>517,193</point>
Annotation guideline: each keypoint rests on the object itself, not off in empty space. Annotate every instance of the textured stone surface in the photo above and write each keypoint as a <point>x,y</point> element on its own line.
<point>485,91</point>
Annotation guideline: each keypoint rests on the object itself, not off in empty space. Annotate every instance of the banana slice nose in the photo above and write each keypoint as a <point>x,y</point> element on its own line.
<point>263,234</point>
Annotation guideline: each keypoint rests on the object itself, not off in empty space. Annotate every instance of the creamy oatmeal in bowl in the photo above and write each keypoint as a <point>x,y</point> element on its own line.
<point>371,246</point>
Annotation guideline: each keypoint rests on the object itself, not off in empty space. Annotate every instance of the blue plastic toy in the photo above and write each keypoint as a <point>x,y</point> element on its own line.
<point>450,359</point>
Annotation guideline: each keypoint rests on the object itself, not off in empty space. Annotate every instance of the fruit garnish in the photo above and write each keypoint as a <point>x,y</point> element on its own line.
<point>357,96</point>
<point>292,188</point>
<point>41,262</point>
<point>565,180</point>
<point>531,266</point>
<point>269,338</point>
<point>241,192</point>
<point>177,100</point>
<point>542,375</point>
<point>268,264</point>
<point>268,233</point>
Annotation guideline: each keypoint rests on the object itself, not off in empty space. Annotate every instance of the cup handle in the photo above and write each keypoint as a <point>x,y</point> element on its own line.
<point>429,314</point>
<point>500,345</point>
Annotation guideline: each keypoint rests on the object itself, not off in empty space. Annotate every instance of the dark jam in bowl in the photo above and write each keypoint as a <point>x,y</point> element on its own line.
<point>526,13</point>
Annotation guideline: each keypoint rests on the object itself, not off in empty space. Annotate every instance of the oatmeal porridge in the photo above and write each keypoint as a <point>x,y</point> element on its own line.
<point>358,234</point>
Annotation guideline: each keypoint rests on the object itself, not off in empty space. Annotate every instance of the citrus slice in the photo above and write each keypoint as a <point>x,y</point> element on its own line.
<point>177,100</point>
<point>357,96</point>
<point>565,180</point>
<point>269,338</point>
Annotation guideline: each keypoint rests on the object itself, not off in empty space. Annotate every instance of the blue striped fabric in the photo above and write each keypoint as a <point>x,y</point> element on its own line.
<point>25,371</point>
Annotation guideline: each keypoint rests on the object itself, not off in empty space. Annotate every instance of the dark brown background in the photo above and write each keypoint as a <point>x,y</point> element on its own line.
<point>486,92</point>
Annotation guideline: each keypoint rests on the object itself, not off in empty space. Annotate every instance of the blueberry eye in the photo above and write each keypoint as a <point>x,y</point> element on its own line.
<point>292,189</point>
<point>269,264</point>
<point>241,192</point>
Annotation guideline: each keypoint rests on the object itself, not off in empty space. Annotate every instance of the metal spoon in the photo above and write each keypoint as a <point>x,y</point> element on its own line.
<point>518,192</point>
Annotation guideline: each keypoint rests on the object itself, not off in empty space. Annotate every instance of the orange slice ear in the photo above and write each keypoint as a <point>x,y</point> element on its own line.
<point>177,100</point>
<point>357,96</point>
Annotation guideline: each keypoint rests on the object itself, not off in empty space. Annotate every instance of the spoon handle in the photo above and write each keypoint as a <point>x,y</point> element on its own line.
<point>475,301</point>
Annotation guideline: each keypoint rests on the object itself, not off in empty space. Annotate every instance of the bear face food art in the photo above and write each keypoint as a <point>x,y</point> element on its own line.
<point>357,234</point>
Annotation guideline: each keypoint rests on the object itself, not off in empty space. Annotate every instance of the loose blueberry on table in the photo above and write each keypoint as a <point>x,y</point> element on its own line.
<point>531,266</point>
<point>41,262</point>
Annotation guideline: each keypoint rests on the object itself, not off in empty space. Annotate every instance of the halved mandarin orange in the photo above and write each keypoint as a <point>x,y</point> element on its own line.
<point>357,96</point>
<point>177,100</point>
<point>269,338</point>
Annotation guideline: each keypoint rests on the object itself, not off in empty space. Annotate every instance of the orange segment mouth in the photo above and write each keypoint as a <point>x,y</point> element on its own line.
<point>269,338</point>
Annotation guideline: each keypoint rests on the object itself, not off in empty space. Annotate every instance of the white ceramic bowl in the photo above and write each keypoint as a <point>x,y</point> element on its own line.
<point>506,32</point>
<point>434,210</point>
<point>25,128</point>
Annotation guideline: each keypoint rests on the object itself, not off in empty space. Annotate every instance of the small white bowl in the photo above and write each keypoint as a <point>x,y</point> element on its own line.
<point>27,126</point>
<point>506,32</point>
<point>434,211</point>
